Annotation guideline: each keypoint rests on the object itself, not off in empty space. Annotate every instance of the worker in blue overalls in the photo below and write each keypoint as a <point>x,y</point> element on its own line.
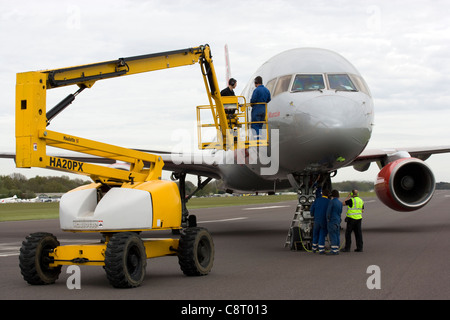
<point>334,212</point>
<point>319,212</point>
<point>259,99</point>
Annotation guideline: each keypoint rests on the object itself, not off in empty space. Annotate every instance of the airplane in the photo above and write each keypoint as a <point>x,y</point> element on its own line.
<point>324,113</point>
<point>13,199</point>
<point>320,119</point>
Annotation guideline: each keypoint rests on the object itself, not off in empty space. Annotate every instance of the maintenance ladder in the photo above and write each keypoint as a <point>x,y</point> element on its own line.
<point>294,223</point>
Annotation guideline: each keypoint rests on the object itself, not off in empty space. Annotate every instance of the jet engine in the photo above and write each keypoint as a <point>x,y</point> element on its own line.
<point>406,184</point>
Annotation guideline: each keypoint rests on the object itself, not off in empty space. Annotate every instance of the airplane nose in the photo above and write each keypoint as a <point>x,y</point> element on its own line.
<point>334,117</point>
<point>323,130</point>
<point>333,127</point>
<point>334,112</point>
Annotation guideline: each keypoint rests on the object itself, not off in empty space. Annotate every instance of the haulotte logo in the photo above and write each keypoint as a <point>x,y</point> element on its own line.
<point>186,151</point>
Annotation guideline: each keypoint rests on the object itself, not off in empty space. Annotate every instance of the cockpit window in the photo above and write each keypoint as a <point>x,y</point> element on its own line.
<point>360,84</point>
<point>282,84</point>
<point>341,82</point>
<point>270,85</point>
<point>308,82</point>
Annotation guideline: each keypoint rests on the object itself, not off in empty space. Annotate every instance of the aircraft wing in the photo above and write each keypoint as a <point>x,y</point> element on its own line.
<point>200,169</point>
<point>362,162</point>
<point>196,164</point>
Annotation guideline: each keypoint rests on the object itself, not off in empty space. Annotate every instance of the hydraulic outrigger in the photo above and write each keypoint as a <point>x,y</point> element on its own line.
<point>119,203</point>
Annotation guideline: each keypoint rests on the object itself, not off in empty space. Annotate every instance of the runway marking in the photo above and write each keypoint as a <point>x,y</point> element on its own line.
<point>269,207</point>
<point>224,220</point>
<point>9,254</point>
<point>9,249</point>
<point>2,255</point>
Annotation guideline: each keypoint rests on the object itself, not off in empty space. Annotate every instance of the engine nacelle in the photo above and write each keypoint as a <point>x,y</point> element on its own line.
<point>406,184</point>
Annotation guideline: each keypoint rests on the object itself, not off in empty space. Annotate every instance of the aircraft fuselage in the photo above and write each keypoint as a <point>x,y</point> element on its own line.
<point>323,111</point>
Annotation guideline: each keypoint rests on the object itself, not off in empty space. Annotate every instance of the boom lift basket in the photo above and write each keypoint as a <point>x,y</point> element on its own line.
<point>239,135</point>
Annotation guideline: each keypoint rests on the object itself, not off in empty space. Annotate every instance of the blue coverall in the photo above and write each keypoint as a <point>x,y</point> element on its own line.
<point>319,211</point>
<point>260,94</point>
<point>334,212</point>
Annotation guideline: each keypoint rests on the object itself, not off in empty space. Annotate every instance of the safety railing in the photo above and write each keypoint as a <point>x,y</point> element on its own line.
<point>244,132</point>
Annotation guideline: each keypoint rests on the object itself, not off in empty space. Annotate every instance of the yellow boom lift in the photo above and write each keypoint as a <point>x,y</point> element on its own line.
<point>119,204</point>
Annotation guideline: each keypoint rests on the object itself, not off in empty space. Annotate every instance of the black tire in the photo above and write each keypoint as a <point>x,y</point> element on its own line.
<point>196,252</point>
<point>125,260</point>
<point>34,260</point>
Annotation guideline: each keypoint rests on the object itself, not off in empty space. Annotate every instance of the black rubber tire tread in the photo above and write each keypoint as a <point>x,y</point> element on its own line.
<point>196,252</point>
<point>122,248</point>
<point>34,260</point>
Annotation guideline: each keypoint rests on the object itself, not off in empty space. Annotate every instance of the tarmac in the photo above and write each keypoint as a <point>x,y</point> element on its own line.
<point>406,256</point>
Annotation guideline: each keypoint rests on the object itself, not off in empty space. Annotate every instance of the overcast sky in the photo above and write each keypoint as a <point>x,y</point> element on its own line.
<point>401,48</point>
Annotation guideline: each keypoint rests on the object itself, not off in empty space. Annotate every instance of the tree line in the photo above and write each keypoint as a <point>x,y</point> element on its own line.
<point>24,188</point>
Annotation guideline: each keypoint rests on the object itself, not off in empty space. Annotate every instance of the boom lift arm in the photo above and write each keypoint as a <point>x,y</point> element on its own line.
<point>32,136</point>
<point>32,118</point>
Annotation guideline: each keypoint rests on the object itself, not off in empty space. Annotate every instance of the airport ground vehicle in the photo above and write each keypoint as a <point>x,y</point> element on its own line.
<point>119,204</point>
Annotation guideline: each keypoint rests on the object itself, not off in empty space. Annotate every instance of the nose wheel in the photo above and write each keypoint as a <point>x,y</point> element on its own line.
<point>309,186</point>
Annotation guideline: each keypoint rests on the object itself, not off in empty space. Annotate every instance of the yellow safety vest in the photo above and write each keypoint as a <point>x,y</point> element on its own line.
<point>355,211</point>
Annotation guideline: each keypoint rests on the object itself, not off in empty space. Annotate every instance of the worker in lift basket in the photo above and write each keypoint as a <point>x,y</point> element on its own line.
<point>260,96</point>
<point>319,212</point>
<point>229,91</point>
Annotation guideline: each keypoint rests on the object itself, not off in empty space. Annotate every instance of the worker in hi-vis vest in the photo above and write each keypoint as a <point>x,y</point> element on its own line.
<point>354,219</point>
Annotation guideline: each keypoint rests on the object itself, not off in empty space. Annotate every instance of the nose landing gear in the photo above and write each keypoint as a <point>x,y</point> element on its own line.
<point>309,186</point>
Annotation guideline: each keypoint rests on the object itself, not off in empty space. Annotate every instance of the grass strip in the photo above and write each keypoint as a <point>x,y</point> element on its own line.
<point>50,210</point>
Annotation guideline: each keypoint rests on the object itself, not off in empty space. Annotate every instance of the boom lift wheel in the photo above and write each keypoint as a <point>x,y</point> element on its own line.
<point>196,252</point>
<point>34,259</point>
<point>125,260</point>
